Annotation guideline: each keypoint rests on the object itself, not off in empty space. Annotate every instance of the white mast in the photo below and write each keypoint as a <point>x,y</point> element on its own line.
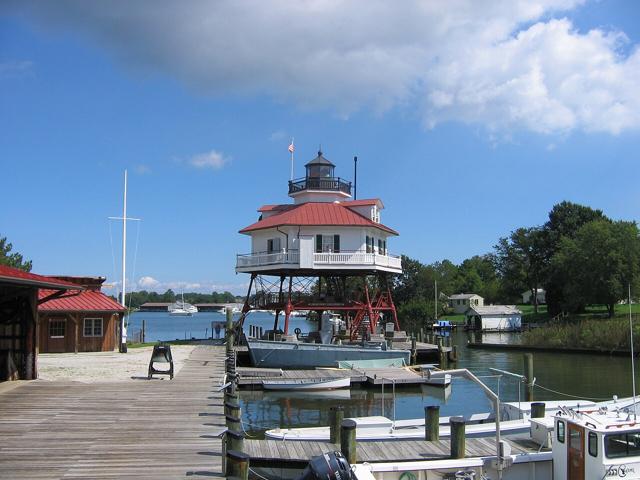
<point>435,282</point>
<point>124,243</point>
<point>291,150</point>
<point>123,331</point>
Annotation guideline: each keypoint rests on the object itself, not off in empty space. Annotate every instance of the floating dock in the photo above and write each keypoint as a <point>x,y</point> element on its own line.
<point>250,377</point>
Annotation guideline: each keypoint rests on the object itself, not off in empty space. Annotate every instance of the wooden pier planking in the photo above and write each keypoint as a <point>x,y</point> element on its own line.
<point>252,377</point>
<point>133,429</point>
<point>265,453</point>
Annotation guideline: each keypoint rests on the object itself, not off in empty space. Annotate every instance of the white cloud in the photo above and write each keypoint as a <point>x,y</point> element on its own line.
<point>148,283</point>
<point>151,284</point>
<point>213,160</point>
<point>504,64</point>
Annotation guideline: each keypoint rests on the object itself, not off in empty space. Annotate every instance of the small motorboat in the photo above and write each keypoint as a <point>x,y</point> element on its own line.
<point>307,384</point>
<point>443,325</point>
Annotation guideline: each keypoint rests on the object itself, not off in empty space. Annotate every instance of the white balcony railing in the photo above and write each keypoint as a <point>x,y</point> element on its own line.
<point>273,258</point>
<point>324,259</point>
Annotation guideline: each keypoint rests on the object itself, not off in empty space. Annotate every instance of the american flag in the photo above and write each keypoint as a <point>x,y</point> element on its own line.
<point>291,147</point>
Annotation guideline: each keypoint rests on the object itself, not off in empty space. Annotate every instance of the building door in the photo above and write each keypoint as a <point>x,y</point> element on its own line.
<point>57,332</point>
<point>575,452</point>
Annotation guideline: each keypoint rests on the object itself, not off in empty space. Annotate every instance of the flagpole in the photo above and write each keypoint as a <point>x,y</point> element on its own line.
<point>291,149</point>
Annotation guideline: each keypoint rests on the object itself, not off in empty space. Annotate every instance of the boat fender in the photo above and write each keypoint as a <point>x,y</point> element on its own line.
<point>297,331</point>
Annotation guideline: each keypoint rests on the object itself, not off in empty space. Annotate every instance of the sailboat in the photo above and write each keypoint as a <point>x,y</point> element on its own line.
<point>182,308</point>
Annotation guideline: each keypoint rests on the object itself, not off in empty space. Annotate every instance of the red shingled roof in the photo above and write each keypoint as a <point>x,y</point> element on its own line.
<point>86,301</point>
<point>13,275</point>
<point>315,213</point>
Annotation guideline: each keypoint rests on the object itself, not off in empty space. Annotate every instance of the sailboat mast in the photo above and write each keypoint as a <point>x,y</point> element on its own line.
<point>123,330</point>
<point>124,243</point>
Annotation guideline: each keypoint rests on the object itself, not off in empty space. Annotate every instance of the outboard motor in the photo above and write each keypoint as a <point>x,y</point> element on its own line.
<point>330,466</point>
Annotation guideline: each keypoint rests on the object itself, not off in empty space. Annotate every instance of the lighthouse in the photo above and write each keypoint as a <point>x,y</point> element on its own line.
<point>324,252</point>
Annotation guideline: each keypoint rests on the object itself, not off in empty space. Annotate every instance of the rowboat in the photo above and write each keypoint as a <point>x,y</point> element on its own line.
<point>307,384</point>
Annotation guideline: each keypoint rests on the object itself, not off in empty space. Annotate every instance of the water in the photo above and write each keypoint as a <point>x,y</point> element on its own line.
<point>558,376</point>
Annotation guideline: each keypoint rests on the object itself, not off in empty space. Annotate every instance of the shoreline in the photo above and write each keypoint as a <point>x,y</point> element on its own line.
<point>540,348</point>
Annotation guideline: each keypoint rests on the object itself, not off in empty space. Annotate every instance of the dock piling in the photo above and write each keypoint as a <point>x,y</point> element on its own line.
<point>235,441</point>
<point>528,373</point>
<point>457,425</point>
<point>348,440</point>
<point>336,416</point>
<point>237,465</point>
<point>453,353</point>
<point>432,422</point>
<point>414,350</point>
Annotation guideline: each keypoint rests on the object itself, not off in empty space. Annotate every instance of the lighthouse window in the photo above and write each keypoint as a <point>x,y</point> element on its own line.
<point>273,245</point>
<point>560,431</point>
<point>327,243</point>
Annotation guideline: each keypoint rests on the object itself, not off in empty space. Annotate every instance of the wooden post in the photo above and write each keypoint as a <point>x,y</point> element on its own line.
<point>528,373</point>
<point>235,441</point>
<point>348,440</point>
<point>457,437</point>
<point>237,464</point>
<point>414,350</point>
<point>233,423</point>
<point>336,416</point>
<point>144,330</point>
<point>537,410</point>
<point>432,422</point>
<point>229,330</point>
<point>232,408</point>
<point>421,335</point>
<point>453,354</point>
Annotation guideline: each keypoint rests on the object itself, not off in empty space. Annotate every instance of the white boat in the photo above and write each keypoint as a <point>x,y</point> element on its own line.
<point>585,444</point>
<point>307,384</point>
<point>182,308</point>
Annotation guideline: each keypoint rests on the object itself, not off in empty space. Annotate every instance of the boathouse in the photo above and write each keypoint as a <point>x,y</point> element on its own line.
<point>497,318</point>
<point>80,321</point>
<point>461,302</point>
<point>18,319</point>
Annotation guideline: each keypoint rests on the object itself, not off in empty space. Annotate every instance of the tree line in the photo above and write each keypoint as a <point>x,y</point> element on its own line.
<point>135,299</point>
<point>579,257</point>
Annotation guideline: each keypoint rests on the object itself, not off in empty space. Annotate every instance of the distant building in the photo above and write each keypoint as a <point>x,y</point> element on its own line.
<point>540,293</point>
<point>501,318</point>
<point>461,302</point>
<point>80,321</point>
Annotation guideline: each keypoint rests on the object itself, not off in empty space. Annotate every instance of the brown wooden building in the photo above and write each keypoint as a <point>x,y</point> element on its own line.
<point>19,299</point>
<point>84,321</point>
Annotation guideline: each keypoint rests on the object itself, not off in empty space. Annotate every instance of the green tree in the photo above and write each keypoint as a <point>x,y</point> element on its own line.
<point>15,259</point>
<point>601,261</point>
<point>520,260</point>
<point>565,219</point>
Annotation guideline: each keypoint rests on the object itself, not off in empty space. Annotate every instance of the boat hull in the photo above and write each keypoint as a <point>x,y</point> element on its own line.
<point>306,386</point>
<point>265,353</point>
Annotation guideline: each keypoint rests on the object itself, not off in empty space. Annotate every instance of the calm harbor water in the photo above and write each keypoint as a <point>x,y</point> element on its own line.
<point>557,376</point>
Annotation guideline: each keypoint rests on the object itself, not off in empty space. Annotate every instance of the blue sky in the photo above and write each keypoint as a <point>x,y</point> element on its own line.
<point>468,121</point>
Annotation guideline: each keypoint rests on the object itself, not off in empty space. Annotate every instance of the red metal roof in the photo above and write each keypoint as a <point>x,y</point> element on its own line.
<point>86,301</point>
<point>13,275</point>
<point>315,213</point>
<point>363,202</point>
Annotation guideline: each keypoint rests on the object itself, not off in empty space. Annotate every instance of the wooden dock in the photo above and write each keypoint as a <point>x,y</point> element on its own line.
<point>161,429</point>
<point>294,453</point>
<point>252,377</point>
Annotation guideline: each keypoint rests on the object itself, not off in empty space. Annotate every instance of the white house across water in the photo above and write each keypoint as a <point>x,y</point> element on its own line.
<point>502,318</point>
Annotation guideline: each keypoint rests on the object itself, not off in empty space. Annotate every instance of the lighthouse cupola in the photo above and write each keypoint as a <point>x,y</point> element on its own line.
<point>320,183</point>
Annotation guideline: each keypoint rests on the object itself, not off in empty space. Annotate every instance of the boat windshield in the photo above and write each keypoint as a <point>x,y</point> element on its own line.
<point>622,445</point>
